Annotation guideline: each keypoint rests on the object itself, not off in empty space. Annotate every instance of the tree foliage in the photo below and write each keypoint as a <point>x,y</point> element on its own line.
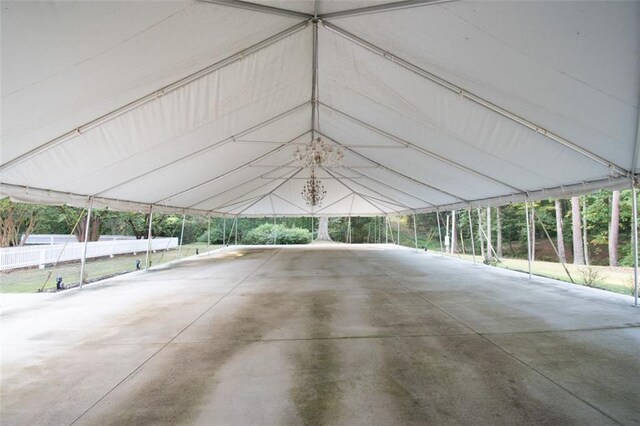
<point>18,219</point>
<point>268,233</point>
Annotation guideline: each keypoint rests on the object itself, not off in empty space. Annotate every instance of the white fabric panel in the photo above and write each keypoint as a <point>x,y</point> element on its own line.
<point>571,67</point>
<point>223,144</point>
<point>375,190</point>
<point>65,63</point>
<point>304,6</point>
<point>424,194</point>
<point>357,205</point>
<point>414,163</point>
<point>324,6</point>
<point>224,162</point>
<point>402,103</point>
<point>329,6</point>
<point>189,119</point>
<point>226,201</point>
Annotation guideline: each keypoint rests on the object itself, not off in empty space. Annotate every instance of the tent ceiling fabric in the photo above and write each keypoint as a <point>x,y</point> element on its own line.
<point>197,106</point>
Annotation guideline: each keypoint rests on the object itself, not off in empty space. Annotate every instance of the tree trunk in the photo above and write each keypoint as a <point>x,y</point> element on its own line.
<point>578,249</point>
<point>614,228</point>
<point>453,232</point>
<point>559,224</point>
<point>94,228</point>
<point>323,229</point>
<point>498,234</point>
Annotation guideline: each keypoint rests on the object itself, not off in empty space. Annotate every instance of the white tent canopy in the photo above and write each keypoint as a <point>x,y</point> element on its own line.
<point>197,106</point>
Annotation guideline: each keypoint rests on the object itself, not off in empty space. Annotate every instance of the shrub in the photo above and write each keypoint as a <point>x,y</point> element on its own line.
<point>265,234</point>
<point>591,276</point>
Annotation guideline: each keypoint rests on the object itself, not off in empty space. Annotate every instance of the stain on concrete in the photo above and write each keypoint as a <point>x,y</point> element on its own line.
<point>165,392</point>
<point>316,390</point>
<point>449,379</point>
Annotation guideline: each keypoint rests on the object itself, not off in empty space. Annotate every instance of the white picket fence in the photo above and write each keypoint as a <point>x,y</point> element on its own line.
<point>22,257</point>
<point>51,239</point>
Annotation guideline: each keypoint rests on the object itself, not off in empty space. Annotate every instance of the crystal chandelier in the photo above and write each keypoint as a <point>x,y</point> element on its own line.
<point>319,154</point>
<point>313,191</point>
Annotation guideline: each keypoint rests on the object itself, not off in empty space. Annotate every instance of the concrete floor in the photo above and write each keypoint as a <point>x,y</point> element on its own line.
<point>322,335</point>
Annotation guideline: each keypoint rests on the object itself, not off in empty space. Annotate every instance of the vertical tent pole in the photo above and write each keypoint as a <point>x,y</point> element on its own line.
<point>275,232</point>
<point>86,240</point>
<point>349,228</point>
<point>399,217</point>
<point>224,231</point>
<point>473,244</point>
<point>526,212</point>
<point>311,228</point>
<point>635,241</point>
<point>544,228</point>
<point>488,236</point>
<point>146,262</point>
<point>230,233</point>
<point>415,231</point>
<point>386,230</point>
<point>446,237</point>
<point>235,241</point>
<point>453,232</point>
<point>184,217</point>
<point>439,232</point>
<point>208,233</point>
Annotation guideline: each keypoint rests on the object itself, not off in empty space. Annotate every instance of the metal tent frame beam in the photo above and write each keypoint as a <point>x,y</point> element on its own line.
<point>368,188</point>
<point>387,7</point>
<point>246,182</point>
<point>232,171</point>
<point>354,192</point>
<point>462,92</point>
<point>154,95</point>
<point>268,193</point>
<point>255,7</point>
<point>382,166</point>
<point>393,188</point>
<point>211,147</point>
<point>419,149</point>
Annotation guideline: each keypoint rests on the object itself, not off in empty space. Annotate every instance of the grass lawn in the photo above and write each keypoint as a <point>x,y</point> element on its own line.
<point>616,279</point>
<point>33,279</point>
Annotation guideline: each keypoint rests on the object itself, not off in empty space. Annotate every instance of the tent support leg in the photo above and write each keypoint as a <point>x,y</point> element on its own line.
<point>473,244</point>
<point>544,228</point>
<point>526,212</point>
<point>208,234</point>
<point>224,231</point>
<point>147,263</point>
<point>86,240</point>
<point>235,240</point>
<point>440,233</point>
<point>634,193</point>
<point>184,218</point>
<point>349,230</point>
<point>398,230</point>
<point>386,230</point>
<point>415,231</point>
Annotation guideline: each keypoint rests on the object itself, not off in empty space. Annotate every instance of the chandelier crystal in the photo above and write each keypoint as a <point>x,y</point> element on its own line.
<point>317,153</point>
<point>313,191</point>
